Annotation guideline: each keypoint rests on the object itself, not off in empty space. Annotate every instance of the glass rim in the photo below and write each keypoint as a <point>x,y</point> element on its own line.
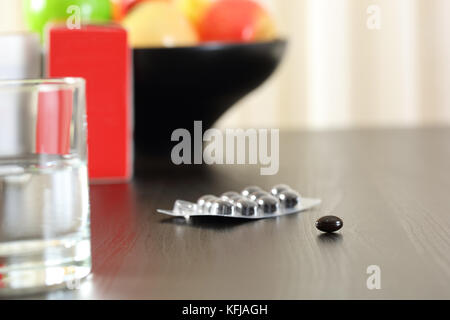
<point>60,83</point>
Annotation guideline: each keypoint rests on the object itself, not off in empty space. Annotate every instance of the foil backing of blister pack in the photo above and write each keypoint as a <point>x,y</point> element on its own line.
<point>252,203</point>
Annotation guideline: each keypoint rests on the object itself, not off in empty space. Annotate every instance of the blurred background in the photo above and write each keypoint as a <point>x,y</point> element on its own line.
<point>339,72</point>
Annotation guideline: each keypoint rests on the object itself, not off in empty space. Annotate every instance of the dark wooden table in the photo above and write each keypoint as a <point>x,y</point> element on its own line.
<point>391,187</point>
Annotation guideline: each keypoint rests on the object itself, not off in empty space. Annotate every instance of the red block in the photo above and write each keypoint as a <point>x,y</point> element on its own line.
<point>100,55</point>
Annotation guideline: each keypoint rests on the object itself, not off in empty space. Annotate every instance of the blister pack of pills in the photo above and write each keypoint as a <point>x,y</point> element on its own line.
<point>252,203</point>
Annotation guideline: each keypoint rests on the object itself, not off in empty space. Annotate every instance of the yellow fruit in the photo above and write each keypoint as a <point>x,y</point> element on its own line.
<point>158,24</point>
<point>193,9</point>
<point>266,28</point>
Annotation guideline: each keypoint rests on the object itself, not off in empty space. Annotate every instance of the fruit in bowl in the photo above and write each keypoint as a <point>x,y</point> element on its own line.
<point>158,24</point>
<point>39,12</point>
<point>171,23</point>
<point>121,7</point>
<point>194,10</point>
<point>237,21</point>
<point>164,23</point>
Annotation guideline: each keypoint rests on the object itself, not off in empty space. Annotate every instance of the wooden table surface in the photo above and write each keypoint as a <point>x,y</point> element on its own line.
<point>391,188</point>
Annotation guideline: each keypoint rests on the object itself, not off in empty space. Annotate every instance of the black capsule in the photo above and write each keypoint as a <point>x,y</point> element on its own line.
<point>246,207</point>
<point>221,207</point>
<point>279,188</point>
<point>329,224</point>
<point>249,190</point>
<point>268,204</point>
<point>254,196</point>
<point>289,199</point>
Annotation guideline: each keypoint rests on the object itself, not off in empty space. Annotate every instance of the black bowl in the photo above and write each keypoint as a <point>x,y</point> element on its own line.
<point>173,87</point>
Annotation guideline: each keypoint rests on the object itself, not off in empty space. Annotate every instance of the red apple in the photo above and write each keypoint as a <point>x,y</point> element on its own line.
<point>237,21</point>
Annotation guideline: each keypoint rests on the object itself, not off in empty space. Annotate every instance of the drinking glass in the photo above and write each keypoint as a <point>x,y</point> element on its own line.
<point>44,196</point>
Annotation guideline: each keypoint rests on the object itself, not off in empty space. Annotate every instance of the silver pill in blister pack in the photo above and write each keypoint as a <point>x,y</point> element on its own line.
<point>204,203</point>
<point>235,199</point>
<point>289,198</point>
<point>230,196</point>
<point>252,203</point>
<point>279,188</point>
<point>222,208</point>
<point>258,194</point>
<point>268,204</point>
<point>249,190</point>
<point>246,207</point>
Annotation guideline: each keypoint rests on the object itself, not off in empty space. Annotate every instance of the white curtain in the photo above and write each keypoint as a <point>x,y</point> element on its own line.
<point>341,73</point>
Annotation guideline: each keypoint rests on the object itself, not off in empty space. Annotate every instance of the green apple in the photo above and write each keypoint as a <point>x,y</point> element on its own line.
<point>39,12</point>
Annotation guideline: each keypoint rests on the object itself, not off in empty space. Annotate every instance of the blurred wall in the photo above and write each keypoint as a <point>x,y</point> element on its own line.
<point>11,15</point>
<point>340,73</point>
